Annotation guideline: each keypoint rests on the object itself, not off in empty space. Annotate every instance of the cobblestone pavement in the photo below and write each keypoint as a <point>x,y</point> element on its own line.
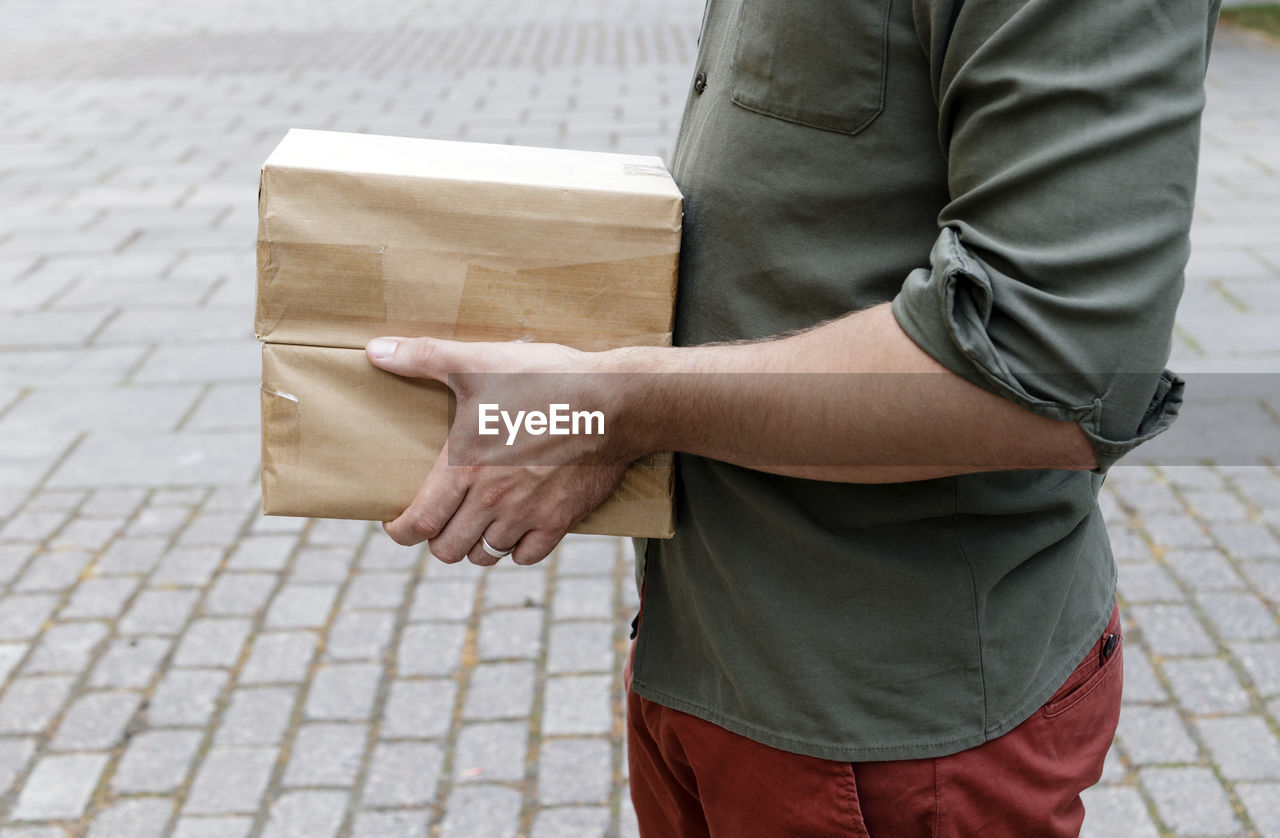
<point>174,664</point>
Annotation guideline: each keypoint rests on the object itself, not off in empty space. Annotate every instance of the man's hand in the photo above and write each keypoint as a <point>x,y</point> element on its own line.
<point>521,496</point>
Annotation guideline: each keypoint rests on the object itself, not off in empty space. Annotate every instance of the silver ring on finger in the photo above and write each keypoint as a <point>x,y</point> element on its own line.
<point>493,551</point>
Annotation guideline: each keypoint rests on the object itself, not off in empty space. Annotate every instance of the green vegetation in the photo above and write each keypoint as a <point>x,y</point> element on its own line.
<point>1264,19</point>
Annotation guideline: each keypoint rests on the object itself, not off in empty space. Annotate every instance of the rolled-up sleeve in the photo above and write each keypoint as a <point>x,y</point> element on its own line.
<point>1071,133</point>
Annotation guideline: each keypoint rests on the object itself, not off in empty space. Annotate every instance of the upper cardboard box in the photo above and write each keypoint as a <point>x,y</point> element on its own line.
<point>445,228</point>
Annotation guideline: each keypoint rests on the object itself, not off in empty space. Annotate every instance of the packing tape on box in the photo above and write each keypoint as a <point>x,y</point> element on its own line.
<point>281,428</point>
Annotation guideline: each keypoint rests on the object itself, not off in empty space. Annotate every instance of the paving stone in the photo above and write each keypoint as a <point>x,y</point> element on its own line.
<point>158,612</point>
<point>337,531</point>
<point>1219,506</point>
<point>589,555</point>
<point>1190,800</point>
<point>1246,541</point>
<point>499,691</point>
<point>385,554</point>
<point>403,774</point>
<point>1242,747</point>
<point>1172,630</point>
<point>212,642</point>
<point>142,458</point>
<point>132,556</point>
<point>113,503</point>
<point>360,635</point>
<point>231,781</point>
<point>186,697</point>
<point>322,564</point>
<point>34,832</point>
<point>1239,616</point>
<point>524,587</point>
<point>10,654</point>
<point>431,649</point>
<point>29,704</point>
<point>419,709</point>
<point>140,818</point>
<point>581,647</point>
<point>574,771</point>
<point>14,756</point>
<point>369,591</point>
<point>1264,578</point>
<point>22,615</point>
<point>1114,811</point>
<point>326,755</point>
<point>156,761</point>
<point>67,647</point>
<point>493,751</point>
<point>264,552</point>
<point>256,716</point>
<point>31,526</point>
<point>583,598</point>
<point>443,600</point>
<point>1203,570</point>
<point>162,521</point>
<point>187,566</point>
<point>197,827</point>
<point>96,721</point>
<point>59,787</point>
<point>53,572</point>
<point>1148,582</point>
<point>219,529</point>
<point>130,662</point>
<point>1262,802</point>
<point>511,633</point>
<point>398,824</point>
<point>1154,735</point>
<point>241,594</point>
<point>306,814</point>
<point>101,597</point>
<point>343,692</point>
<point>279,657</point>
<point>492,811</point>
<point>87,535</point>
<point>1175,531</point>
<point>572,822</point>
<point>1206,685</point>
<point>302,606</point>
<point>578,704</point>
<point>1262,662</point>
<point>13,558</point>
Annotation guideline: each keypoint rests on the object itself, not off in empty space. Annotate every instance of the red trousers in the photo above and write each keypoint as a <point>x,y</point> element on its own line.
<point>694,779</point>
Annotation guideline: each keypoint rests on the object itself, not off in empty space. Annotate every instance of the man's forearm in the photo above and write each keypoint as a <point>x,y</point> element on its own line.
<point>853,400</point>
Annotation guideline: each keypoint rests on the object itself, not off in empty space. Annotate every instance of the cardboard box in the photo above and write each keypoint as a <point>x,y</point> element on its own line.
<point>362,236</point>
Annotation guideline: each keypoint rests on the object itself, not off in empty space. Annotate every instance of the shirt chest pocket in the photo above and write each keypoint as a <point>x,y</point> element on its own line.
<point>819,63</point>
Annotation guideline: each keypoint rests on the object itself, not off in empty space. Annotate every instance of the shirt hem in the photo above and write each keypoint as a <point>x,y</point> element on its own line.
<point>881,753</point>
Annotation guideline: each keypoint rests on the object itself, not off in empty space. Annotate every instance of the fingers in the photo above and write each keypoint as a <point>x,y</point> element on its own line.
<point>433,507</point>
<point>414,357</point>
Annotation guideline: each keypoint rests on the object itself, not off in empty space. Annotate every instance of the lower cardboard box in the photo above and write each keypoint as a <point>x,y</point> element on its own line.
<point>343,439</point>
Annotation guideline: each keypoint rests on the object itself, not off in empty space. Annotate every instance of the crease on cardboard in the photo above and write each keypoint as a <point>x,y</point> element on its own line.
<point>646,478</point>
<point>344,282</point>
<point>281,429</point>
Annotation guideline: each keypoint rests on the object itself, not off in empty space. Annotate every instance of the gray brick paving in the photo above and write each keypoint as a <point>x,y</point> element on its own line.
<point>257,677</point>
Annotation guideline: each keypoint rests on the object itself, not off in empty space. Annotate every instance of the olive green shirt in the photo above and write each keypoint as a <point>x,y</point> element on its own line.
<point>1017,177</point>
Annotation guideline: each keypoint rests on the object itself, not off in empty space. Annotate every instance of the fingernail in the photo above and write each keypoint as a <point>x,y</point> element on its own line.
<point>383,347</point>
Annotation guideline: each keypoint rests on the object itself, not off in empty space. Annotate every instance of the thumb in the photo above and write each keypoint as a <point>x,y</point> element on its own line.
<point>412,357</point>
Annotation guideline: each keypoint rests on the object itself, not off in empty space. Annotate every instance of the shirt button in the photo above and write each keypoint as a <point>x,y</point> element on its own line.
<point>700,82</point>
